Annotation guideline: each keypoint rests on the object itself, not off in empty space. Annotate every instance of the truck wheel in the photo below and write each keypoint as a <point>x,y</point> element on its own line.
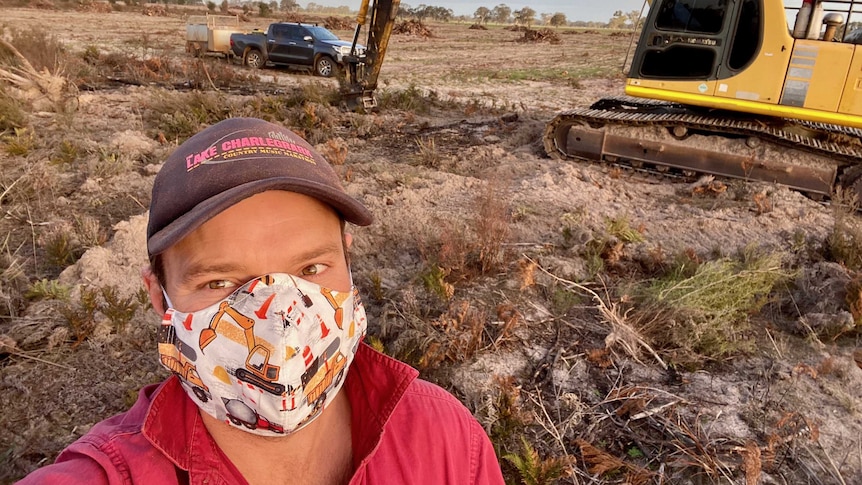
<point>325,66</point>
<point>254,59</point>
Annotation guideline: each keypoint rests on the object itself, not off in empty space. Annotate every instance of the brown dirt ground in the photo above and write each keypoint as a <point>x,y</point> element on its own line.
<point>792,401</point>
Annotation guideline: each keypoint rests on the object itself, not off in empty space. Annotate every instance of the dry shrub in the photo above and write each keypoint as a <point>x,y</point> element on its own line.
<point>544,35</point>
<point>751,464</point>
<point>154,10</point>
<point>845,240</point>
<point>412,27</point>
<point>12,113</point>
<point>410,99</point>
<point>703,312</point>
<point>178,116</point>
<point>507,414</point>
<point>462,328</point>
<point>599,462</point>
<point>536,470</point>
<point>477,27</point>
<point>294,17</point>
<point>427,154</point>
<point>492,225</point>
<point>464,251</point>
<point>338,23</point>
<point>35,64</point>
<point>334,151</point>
<point>94,7</point>
<point>312,121</point>
<point>212,73</point>
<point>41,49</point>
<point>13,284</point>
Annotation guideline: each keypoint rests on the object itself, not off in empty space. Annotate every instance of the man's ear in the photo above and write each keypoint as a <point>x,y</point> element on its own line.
<point>348,240</point>
<point>154,288</point>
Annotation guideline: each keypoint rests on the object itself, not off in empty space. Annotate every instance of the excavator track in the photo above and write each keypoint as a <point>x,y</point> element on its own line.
<point>811,157</point>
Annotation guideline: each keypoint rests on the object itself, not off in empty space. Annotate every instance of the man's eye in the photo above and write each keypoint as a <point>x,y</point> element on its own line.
<point>220,284</point>
<point>313,269</point>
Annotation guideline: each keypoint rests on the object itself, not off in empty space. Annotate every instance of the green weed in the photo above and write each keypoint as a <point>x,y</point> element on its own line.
<point>434,279</point>
<point>109,163</point>
<point>20,143</point>
<point>67,152</point>
<point>620,228</point>
<point>61,248</point>
<point>537,471</point>
<point>706,312</point>
<point>377,291</point>
<point>81,315</point>
<point>119,311</point>
<point>46,289</point>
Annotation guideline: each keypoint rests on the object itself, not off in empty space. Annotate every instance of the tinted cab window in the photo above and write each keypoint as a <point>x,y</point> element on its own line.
<point>702,16</point>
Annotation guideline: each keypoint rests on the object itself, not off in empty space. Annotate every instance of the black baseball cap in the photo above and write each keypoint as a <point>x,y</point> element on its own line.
<point>233,160</point>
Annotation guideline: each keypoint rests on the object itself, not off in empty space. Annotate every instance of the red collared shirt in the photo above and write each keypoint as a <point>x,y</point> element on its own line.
<point>405,431</point>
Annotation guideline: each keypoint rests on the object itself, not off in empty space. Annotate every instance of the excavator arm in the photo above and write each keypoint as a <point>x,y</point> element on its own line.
<point>362,71</point>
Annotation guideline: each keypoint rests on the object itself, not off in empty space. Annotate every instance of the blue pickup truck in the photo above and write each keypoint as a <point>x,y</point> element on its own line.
<point>296,45</point>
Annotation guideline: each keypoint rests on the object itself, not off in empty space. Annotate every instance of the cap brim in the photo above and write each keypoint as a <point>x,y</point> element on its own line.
<point>349,208</point>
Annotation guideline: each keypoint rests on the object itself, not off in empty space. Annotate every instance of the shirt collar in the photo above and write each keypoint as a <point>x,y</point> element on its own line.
<point>375,385</point>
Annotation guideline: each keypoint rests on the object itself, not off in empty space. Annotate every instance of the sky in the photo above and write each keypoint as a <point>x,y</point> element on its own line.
<point>600,10</point>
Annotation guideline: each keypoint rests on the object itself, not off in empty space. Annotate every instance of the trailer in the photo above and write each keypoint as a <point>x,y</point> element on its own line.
<point>210,34</point>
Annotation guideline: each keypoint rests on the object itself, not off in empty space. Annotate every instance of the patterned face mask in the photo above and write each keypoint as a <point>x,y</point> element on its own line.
<point>270,357</point>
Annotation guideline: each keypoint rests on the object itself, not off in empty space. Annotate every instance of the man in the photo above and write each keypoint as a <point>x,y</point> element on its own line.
<point>262,330</point>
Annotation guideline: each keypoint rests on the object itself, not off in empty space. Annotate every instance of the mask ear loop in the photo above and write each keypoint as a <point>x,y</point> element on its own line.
<point>167,299</point>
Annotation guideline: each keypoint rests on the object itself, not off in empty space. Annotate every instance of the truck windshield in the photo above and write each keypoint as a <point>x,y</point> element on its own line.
<point>321,33</point>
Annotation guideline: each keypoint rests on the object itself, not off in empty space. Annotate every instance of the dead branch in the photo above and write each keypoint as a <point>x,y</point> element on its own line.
<point>621,332</point>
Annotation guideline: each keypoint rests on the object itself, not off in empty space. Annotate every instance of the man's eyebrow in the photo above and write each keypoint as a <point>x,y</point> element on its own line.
<point>317,252</point>
<point>201,268</point>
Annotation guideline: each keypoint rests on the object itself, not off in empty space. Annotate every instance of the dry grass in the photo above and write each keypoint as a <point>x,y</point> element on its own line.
<point>178,116</point>
<point>461,252</point>
<point>35,63</point>
<point>427,155</point>
<point>845,240</point>
<point>12,114</point>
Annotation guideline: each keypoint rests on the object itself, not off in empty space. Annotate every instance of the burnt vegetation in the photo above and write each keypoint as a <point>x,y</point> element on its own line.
<point>589,352</point>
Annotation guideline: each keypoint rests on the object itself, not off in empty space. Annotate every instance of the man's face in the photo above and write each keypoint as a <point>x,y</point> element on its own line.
<point>271,232</point>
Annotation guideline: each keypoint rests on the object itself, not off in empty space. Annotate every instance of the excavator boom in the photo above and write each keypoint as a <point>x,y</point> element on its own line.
<point>362,71</point>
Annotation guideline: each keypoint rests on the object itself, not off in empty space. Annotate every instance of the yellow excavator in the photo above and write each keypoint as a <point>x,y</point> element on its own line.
<point>751,89</point>
<point>258,370</point>
<point>732,88</point>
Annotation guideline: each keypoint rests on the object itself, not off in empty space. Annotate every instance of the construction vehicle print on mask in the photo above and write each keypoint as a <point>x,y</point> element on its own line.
<point>257,371</point>
<point>240,414</point>
<point>322,372</point>
<point>179,357</point>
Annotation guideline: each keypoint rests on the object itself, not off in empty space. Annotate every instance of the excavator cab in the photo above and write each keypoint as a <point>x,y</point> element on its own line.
<point>749,89</point>
<point>753,56</point>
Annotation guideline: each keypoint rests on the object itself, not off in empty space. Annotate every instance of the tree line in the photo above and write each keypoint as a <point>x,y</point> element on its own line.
<point>500,14</point>
<point>503,14</point>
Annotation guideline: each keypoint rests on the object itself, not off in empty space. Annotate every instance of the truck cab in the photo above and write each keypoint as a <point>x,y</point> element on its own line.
<point>303,46</point>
